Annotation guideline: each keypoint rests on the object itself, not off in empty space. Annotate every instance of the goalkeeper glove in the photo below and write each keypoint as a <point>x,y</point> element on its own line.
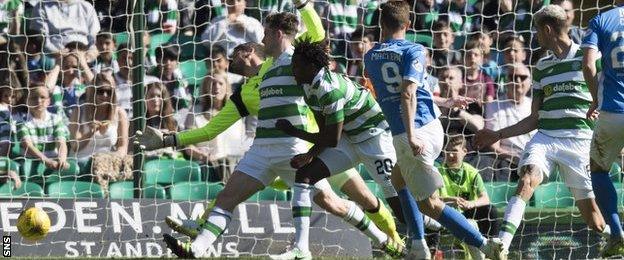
<point>300,3</point>
<point>154,139</point>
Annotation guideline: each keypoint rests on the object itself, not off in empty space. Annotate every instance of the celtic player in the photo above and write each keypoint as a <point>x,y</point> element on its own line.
<point>560,101</point>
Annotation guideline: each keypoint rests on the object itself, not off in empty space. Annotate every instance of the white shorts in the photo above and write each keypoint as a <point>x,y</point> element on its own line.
<point>571,155</point>
<point>266,162</point>
<point>377,154</point>
<point>420,175</point>
<point>608,139</point>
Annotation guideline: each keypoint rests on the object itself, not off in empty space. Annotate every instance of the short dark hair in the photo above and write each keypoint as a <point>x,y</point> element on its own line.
<point>360,34</point>
<point>169,52</point>
<point>440,25</point>
<point>284,21</point>
<point>248,46</point>
<point>513,38</point>
<point>105,35</point>
<point>316,53</point>
<point>474,44</point>
<point>123,47</point>
<point>217,50</point>
<point>455,140</point>
<point>394,14</point>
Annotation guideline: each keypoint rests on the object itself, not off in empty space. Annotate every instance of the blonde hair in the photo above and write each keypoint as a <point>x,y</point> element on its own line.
<point>553,15</point>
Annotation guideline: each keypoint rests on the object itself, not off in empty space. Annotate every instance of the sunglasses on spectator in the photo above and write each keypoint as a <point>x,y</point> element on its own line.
<point>102,91</point>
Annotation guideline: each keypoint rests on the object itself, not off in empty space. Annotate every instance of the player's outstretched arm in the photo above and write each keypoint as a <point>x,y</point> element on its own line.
<point>313,24</point>
<point>408,106</point>
<point>487,137</point>
<point>590,72</point>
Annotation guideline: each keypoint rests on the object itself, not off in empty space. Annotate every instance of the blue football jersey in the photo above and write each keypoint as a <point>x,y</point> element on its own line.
<point>606,34</point>
<point>387,65</point>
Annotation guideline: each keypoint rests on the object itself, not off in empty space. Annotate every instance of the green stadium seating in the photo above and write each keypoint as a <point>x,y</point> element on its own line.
<point>74,189</point>
<point>553,195</point>
<point>269,194</point>
<point>500,192</point>
<point>122,37</point>
<point>363,172</point>
<point>7,164</point>
<point>166,172</point>
<point>193,71</point>
<point>195,190</point>
<point>157,40</point>
<point>121,190</point>
<point>36,171</point>
<point>190,48</point>
<point>153,192</point>
<point>28,189</point>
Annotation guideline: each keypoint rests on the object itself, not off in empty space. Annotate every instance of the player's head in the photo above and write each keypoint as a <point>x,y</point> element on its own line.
<point>308,59</point>
<point>518,82</point>
<point>394,17</point>
<point>280,30</point>
<point>455,150</point>
<point>551,23</point>
<point>247,59</point>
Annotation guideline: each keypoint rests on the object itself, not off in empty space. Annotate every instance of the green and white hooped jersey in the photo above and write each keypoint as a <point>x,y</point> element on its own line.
<point>280,98</point>
<point>566,96</point>
<point>341,100</point>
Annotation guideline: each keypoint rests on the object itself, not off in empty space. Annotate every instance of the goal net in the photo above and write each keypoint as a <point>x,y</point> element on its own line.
<point>79,77</point>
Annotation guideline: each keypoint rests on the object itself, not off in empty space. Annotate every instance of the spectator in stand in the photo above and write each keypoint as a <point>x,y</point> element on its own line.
<point>462,15</point>
<point>514,51</point>
<point>427,11</point>
<point>106,46</point>
<point>489,65</point>
<point>123,78</point>
<point>260,9</point>
<point>205,12</point>
<point>360,43</point>
<point>99,125</point>
<point>162,15</point>
<point>72,73</point>
<point>443,53</point>
<point>501,165</point>
<point>455,118</point>
<point>66,21</point>
<point>160,115</point>
<point>169,74</point>
<point>464,189</point>
<point>7,130</point>
<point>234,29</point>
<point>214,93</point>
<point>218,63</point>
<point>43,134</point>
<point>576,33</point>
<point>477,84</point>
<point>38,63</point>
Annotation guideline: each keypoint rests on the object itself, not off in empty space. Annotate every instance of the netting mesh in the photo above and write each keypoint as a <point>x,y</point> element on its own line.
<point>67,108</point>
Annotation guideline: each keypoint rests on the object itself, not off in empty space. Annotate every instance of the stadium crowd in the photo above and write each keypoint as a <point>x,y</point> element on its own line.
<point>66,80</point>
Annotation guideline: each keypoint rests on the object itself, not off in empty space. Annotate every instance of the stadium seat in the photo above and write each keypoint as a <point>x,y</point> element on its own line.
<point>156,40</point>
<point>166,172</point>
<point>7,164</point>
<point>122,37</point>
<point>153,192</point>
<point>195,190</point>
<point>553,195</point>
<point>71,174</point>
<point>500,192</point>
<point>121,190</point>
<point>189,48</point>
<point>193,71</point>
<point>28,189</point>
<point>74,189</point>
<point>269,194</point>
<point>363,172</point>
<point>423,39</point>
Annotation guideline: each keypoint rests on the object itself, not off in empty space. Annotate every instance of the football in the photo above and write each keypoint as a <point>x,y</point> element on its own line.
<point>33,224</point>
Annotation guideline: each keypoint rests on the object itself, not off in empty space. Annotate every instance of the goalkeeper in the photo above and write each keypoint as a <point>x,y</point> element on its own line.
<point>244,103</point>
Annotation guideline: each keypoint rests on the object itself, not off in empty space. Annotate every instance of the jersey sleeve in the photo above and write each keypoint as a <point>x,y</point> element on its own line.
<point>537,87</point>
<point>413,66</point>
<point>590,40</point>
<point>313,24</point>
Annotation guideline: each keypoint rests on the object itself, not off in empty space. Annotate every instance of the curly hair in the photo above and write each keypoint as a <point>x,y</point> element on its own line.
<point>316,53</point>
